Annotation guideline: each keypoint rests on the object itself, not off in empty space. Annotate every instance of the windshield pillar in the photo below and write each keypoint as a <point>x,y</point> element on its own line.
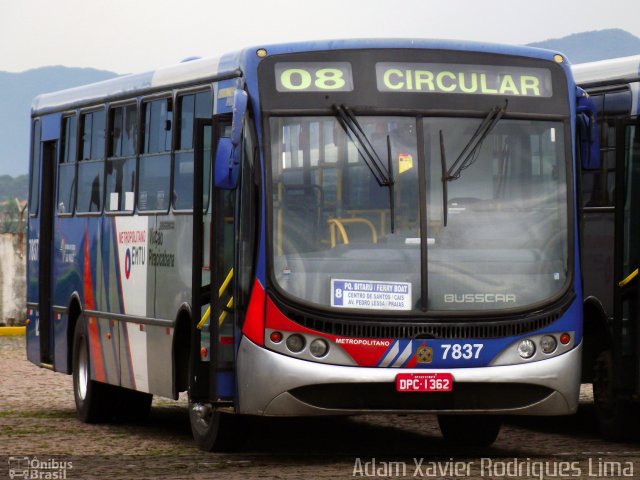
<point>424,250</point>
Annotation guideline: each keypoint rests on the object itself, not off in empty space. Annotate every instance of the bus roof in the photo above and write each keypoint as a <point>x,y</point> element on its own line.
<point>229,66</point>
<point>608,72</point>
<point>131,85</point>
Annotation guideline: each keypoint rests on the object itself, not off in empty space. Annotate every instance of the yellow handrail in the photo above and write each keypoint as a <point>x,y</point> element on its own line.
<point>631,276</point>
<point>333,223</point>
<point>341,222</point>
<point>221,291</point>
<point>226,282</point>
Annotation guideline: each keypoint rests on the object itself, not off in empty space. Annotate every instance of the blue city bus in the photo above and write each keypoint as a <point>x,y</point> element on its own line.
<point>610,202</point>
<point>321,228</point>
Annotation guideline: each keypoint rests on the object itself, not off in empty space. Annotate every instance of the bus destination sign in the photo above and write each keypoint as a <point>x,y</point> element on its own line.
<point>314,77</point>
<point>463,79</point>
<point>417,78</point>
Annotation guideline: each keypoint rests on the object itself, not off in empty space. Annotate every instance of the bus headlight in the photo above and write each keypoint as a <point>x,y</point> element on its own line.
<point>526,348</point>
<point>319,348</point>
<point>295,343</point>
<point>548,343</point>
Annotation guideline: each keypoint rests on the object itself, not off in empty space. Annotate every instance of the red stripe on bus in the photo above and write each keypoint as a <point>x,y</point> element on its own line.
<point>95,351</point>
<point>253,327</point>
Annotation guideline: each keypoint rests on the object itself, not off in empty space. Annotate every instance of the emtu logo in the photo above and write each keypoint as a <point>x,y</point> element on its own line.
<point>127,263</point>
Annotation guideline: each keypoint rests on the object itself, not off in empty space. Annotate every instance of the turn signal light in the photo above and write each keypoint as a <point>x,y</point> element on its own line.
<point>204,352</point>
<point>276,337</point>
<point>565,338</point>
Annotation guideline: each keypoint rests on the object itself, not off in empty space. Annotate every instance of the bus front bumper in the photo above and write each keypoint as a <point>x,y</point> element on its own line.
<point>273,384</point>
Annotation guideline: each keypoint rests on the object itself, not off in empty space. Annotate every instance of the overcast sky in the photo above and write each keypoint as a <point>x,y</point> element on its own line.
<point>137,35</point>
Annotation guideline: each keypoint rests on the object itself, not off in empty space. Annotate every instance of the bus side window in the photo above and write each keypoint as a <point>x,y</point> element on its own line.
<point>121,161</point>
<point>91,165</point>
<point>599,186</point>
<point>190,107</point>
<point>155,161</point>
<point>67,167</point>
<point>34,189</point>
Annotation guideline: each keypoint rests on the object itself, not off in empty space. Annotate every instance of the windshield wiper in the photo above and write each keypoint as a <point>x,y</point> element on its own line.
<point>354,130</point>
<point>445,188</point>
<point>382,174</point>
<point>469,153</point>
<point>392,204</point>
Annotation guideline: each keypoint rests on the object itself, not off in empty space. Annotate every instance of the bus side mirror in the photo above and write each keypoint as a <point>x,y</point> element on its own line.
<point>587,128</point>
<point>229,150</point>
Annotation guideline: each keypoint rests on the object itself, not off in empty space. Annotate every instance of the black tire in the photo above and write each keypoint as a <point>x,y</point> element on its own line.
<point>94,400</point>
<point>470,430</point>
<point>217,431</point>
<point>616,418</point>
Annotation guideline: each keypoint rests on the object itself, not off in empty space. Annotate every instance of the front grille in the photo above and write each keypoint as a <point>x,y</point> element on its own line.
<point>383,396</point>
<point>457,328</point>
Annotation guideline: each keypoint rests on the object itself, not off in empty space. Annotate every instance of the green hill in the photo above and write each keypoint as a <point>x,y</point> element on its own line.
<point>11,188</point>
<point>17,90</point>
<point>593,46</point>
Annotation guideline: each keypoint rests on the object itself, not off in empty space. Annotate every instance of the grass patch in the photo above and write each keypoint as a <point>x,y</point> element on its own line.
<point>38,414</point>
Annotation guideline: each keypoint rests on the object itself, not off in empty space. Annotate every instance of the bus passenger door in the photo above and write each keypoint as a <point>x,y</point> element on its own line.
<point>45,287</point>
<point>223,280</point>
<point>40,333</point>
<point>199,384</point>
<point>626,339</point>
<point>211,377</point>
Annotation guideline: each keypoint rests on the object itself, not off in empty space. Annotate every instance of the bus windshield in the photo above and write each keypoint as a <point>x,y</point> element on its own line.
<point>344,239</point>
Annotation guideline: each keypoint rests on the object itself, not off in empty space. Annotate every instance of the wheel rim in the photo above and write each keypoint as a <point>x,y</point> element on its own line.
<point>201,423</point>
<point>83,371</point>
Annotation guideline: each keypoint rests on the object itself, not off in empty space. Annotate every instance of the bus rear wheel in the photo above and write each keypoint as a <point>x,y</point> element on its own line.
<point>214,430</point>
<point>470,430</point>
<point>93,399</point>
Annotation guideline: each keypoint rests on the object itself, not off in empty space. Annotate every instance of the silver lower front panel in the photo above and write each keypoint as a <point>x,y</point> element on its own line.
<point>273,384</point>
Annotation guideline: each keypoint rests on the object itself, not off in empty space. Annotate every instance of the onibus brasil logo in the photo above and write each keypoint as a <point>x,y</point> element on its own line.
<point>33,468</point>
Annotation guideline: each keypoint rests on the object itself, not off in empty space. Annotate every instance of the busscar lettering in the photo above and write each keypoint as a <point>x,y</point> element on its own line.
<point>479,298</point>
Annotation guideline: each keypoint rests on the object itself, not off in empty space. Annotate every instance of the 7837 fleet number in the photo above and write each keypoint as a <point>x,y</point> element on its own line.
<point>461,351</point>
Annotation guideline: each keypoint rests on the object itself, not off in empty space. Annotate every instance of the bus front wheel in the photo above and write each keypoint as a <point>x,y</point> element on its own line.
<point>470,430</point>
<point>214,430</point>
<point>92,398</point>
<point>616,417</point>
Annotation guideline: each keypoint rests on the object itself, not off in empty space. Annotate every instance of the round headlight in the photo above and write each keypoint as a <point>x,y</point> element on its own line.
<point>548,343</point>
<point>526,348</point>
<point>295,343</point>
<point>318,348</point>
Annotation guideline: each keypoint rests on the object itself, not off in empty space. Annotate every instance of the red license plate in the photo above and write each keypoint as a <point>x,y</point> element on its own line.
<point>424,382</point>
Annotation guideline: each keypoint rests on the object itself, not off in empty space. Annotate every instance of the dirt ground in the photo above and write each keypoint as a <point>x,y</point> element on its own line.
<point>38,429</point>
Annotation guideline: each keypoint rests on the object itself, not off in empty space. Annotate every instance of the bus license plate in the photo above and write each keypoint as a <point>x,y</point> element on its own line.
<point>424,382</point>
